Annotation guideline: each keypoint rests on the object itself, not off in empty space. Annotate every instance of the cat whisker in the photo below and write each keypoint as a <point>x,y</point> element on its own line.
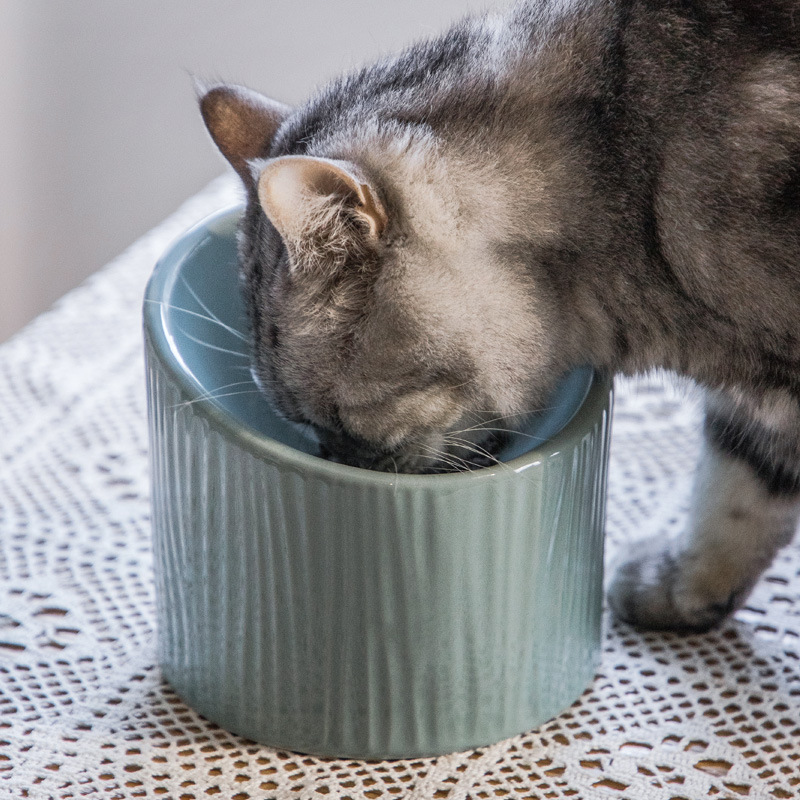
<point>443,464</point>
<point>228,386</point>
<point>471,412</point>
<point>208,311</point>
<point>434,453</point>
<point>228,328</point>
<point>459,385</point>
<point>484,424</point>
<point>214,395</point>
<point>470,446</point>
<point>214,346</point>
<point>477,450</point>
<point>510,431</point>
<point>453,461</point>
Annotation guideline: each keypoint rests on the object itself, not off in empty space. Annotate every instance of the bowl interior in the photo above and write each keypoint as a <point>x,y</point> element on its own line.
<point>202,315</point>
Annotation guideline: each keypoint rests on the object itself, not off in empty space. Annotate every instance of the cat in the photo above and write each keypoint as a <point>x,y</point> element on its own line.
<point>431,241</point>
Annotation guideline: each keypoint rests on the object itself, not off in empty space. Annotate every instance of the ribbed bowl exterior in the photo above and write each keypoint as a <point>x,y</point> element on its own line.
<point>347,618</point>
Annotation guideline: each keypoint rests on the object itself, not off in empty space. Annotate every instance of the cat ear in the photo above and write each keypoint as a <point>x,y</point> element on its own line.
<point>302,194</point>
<point>242,124</point>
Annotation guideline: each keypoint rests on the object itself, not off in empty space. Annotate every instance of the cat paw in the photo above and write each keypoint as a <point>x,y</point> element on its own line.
<point>651,589</point>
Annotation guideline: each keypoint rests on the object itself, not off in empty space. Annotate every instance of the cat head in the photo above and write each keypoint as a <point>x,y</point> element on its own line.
<point>381,312</point>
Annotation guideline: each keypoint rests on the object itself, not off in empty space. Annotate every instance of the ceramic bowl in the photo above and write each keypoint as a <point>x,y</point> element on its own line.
<point>333,610</point>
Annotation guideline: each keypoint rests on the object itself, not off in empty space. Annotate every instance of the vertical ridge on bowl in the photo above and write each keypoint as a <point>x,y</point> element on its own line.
<point>359,619</point>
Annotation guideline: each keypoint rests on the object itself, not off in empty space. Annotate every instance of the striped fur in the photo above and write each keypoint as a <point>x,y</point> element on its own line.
<point>571,182</point>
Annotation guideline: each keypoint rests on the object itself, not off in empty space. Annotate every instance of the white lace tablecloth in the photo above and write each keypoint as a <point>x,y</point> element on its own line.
<point>84,711</point>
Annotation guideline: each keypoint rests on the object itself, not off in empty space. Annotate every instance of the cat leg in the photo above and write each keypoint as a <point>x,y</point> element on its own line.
<point>745,507</point>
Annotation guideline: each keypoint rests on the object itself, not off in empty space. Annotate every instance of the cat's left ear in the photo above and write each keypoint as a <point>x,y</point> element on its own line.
<point>302,194</point>
<point>242,124</point>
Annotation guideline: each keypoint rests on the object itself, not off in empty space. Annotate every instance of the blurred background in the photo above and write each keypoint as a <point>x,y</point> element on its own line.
<point>100,137</point>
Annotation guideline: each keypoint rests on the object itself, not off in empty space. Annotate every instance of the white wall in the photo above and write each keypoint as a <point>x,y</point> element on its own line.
<point>99,133</point>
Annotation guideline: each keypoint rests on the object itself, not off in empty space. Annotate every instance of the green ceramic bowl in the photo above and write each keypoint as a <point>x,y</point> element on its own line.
<point>333,610</point>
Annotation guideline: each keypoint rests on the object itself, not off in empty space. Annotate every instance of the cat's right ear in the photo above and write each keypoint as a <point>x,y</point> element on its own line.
<point>242,124</point>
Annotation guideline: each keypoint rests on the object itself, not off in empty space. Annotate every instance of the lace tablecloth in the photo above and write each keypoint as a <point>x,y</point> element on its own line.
<point>84,711</point>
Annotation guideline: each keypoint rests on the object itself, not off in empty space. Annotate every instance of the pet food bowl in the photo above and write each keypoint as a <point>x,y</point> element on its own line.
<point>327,609</point>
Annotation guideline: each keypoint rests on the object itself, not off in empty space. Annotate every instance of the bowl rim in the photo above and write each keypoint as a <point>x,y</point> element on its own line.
<point>598,397</point>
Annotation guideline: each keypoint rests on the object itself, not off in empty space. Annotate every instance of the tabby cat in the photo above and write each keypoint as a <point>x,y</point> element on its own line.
<point>433,240</point>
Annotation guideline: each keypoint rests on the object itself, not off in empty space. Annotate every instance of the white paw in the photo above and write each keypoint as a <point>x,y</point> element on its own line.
<point>652,589</point>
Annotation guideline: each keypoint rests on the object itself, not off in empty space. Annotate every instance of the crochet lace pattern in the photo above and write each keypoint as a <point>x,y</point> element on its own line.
<point>84,711</point>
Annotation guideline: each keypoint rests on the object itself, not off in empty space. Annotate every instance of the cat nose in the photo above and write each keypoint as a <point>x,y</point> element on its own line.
<point>344,448</point>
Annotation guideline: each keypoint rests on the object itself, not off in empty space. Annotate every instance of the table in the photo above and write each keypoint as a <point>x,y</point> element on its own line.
<point>84,711</point>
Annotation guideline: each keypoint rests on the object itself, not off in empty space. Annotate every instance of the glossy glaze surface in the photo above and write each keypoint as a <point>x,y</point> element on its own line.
<point>338,611</point>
